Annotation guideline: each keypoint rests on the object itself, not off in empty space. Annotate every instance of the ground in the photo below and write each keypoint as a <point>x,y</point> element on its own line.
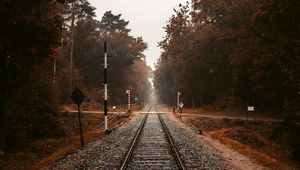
<point>39,153</point>
<point>240,140</point>
<point>252,136</point>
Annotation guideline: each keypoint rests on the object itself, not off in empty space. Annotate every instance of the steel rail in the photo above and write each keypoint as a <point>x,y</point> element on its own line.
<point>149,108</point>
<point>172,143</point>
<point>169,138</point>
<point>133,144</point>
<point>108,121</point>
<point>155,109</point>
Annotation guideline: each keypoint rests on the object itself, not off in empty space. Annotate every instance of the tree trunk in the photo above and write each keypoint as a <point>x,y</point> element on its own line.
<point>193,101</point>
<point>2,100</point>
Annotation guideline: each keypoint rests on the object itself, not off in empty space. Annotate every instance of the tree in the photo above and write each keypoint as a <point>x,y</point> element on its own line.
<point>75,11</point>
<point>113,24</point>
<point>123,48</point>
<point>30,32</point>
<point>123,51</point>
<point>243,49</point>
<point>136,78</point>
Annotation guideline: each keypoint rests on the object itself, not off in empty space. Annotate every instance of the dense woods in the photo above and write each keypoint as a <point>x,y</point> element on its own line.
<point>30,33</point>
<point>244,51</point>
<point>234,53</point>
<point>39,41</point>
<point>123,51</point>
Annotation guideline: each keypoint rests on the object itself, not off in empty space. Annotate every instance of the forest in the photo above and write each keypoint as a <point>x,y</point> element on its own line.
<point>238,53</point>
<point>234,54</point>
<point>49,47</point>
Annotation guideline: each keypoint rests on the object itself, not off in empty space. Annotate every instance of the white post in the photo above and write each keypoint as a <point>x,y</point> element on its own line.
<point>105,86</point>
<point>128,98</point>
<point>105,122</point>
<point>178,94</point>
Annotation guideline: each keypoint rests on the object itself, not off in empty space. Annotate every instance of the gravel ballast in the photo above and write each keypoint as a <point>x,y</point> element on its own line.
<point>104,153</point>
<point>108,152</point>
<point>194,154</point>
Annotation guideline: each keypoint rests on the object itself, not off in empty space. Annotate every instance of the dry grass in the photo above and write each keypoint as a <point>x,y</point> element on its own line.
<point>251,138</point>
<point>72,143</point>
<point>259,156</point>
<point>40,153</point>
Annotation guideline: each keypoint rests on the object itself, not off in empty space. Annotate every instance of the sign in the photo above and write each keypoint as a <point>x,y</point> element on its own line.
<point>181,105</point>
<point>77,96</point>
<point>250,108</point>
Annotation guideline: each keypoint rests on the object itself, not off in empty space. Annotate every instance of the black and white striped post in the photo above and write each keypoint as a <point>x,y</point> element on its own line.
<point>105,86</point>
<point>128,100</point>
<point>178,95</point>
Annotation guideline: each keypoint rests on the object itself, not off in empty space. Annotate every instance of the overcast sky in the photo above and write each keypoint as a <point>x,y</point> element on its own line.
<point>146,18</point>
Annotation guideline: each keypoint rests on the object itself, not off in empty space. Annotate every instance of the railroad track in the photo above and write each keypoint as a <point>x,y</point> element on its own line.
<point>110,119</point>
<point>153,146</point>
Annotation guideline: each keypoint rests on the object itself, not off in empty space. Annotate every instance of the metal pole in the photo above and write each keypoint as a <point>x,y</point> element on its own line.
<point>80,126</point>
<point>105,85</point>
<point>129,107</point>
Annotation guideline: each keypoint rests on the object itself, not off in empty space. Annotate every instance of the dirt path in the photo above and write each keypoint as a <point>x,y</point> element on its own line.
<point>231,117</point>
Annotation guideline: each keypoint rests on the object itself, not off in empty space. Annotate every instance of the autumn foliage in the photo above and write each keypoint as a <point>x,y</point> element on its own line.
<point>36,77</point>
<point>245,52</point>
<point>30,31</point>
<point>245,49</point>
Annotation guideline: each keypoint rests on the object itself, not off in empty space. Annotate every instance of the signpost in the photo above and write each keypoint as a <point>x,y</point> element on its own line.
<point>250,109</point>
<point>180,107</point>
<point>77,96</point>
